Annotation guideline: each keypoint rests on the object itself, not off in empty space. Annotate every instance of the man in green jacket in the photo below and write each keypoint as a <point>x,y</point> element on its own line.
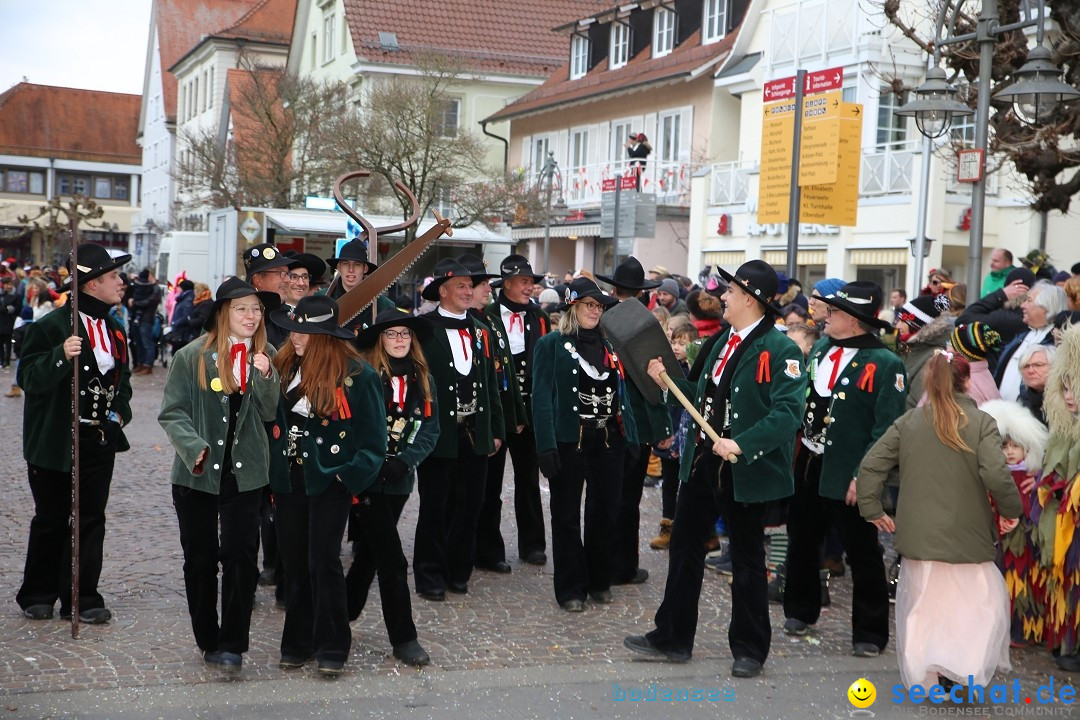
<point>45,374</point>
<point>751,391</point>
<point>857,390</point>
<point>1001,263</point>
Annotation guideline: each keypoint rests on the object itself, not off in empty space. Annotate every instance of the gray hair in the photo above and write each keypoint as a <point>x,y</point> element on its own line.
<point>1024,355</point>
<point>1049,297</point>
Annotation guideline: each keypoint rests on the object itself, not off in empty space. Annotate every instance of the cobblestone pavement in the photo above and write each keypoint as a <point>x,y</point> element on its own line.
<point>505,622</point>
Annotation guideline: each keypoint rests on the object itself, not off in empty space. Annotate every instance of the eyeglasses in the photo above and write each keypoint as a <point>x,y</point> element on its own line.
<point>280,273</point>
<point>298,278</point>
<point>395,334</point>
<point>1035,366</point>
<point>591,306</point>
<point>242,310</point>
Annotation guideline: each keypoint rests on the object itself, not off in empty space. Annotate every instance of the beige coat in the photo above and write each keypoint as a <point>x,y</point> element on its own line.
<point>943,512</point>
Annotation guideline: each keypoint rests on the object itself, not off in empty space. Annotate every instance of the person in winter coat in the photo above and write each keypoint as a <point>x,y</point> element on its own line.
<point>144,303</point>
<point>975,342</point>
<point>182,331</point>
<point>1043,303</point>
<point>10,306</point>
<point>925,325</point>
<point>1001,308</point>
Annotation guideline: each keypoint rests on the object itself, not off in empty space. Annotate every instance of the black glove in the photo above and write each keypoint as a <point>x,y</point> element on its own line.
<point>549,464</point>
<point>393,470</point>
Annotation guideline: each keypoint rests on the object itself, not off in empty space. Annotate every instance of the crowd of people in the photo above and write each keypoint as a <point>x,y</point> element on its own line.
<point>819,421</point>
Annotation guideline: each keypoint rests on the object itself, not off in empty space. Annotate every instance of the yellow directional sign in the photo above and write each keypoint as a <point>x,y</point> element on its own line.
<point>777,134</point>
<point>820,139</point>
<point>837,203</point>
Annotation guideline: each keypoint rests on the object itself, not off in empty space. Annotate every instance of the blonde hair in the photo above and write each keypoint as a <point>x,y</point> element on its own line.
<point>947,373</point>
<point>326,364</point>
<point>217,340</point>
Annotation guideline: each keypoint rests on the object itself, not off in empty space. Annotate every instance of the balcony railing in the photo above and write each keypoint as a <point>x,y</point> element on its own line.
<point>582,186</point>
<point>729,183</point>
<point>888,172</point>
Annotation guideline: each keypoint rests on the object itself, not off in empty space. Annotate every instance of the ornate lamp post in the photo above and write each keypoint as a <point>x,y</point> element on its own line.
<point>555,211</point>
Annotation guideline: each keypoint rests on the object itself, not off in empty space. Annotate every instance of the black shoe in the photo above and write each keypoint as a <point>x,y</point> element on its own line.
<point>268,577</point>
<point>865,650</point>
<point>292,662</point>
<point>224,661</point>
<point>411,653</point>
<point>574,606</point>
<point>502,567</point>
<point>1068,663</point>
<point>794,626</point>
<point>776,585</point>
<point>39,612</point>
<point>745,668</point>
<point>640,575</point>
<point>331,668</point>
<point>458,588</point>
<point>602,597</point>
<point>93,616</point>
<point>536,557</point>
<point>432,595</point>
<point>720,563</point>
<point>641,645</point>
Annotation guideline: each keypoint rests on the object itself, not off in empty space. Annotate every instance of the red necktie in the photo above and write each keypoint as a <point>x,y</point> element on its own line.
<point>520,322</point>
<point>835,357</point>
<point>731,345</point>
<point>401,392</point>
<point>241,350</point>
<point>91,326</point>
<point>466,338</point>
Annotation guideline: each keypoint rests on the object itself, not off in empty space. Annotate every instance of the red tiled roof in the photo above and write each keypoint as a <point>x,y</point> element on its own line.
<point>269,21</point>
<point>643,69</point>
<point>59,122</point>
<point>498,36</point>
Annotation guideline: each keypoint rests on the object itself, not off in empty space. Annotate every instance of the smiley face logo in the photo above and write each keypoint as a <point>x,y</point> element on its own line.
<point>862,693</point>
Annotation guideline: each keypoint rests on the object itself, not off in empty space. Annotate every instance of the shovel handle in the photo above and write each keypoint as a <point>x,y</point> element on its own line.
<point>702,422</point>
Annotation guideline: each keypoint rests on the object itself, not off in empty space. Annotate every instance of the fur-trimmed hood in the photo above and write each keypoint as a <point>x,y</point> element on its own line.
<point>1015,422</point>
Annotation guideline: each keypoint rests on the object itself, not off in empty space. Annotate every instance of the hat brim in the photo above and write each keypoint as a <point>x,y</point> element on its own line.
<point>481,277</point>
<point>853,310</point>
<point>646,285</point>
<point>117,262</point>
<point>369,336</point>
<point>332,263</point>
<point>280,317</point>
<point>535,278</point>
<point>431,292</point>
<point>314,264</point>
<point>278,262</point>
<point>605,300</point>
<point>272,301</point>
<point>752,292</point>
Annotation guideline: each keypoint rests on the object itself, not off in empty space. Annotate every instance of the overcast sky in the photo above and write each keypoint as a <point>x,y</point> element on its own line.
<point>93,44</point>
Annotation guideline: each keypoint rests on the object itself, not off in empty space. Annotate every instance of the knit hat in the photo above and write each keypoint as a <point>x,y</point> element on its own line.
<point>186,284</point>
<point>782,280</point>
<point>1020,273</point>
<point>669,286</point>
<point>974,341</point>
<point>828,286</point>
<point>1061,276</point>
<point>923,309</point>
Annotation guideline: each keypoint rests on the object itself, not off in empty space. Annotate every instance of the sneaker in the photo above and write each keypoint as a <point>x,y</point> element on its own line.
<point>224,661</point>
<point>720,563</point>
<point>663,540</point>
<point>794,626</point>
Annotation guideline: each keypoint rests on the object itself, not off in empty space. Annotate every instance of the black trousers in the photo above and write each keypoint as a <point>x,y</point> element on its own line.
<point>451,493</point>
<point>809,518</point>
<point>669,470</point>
<point>528,507</point>
<point>700,501</point>
<point>237,550</point>
<point>624,545</point>
<point>47,574</point>
<point>310,528</point>
<point>5,349</point>
<point>595,466</point>
<point>378,550</point>
<point>266,531</point>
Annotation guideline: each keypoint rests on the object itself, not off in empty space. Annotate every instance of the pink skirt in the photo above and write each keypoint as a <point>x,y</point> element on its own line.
<point>951,620</point>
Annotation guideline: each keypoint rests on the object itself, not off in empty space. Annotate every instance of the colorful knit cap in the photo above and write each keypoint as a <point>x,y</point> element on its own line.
<point>922,310</point>
<point>975,340</point>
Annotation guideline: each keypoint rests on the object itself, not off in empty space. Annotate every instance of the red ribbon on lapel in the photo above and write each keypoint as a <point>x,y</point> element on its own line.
<point>487,349</point>
<point>543,326</point>
<point>343,410</point>
<point>764,374</point>
<point>866,380</point>
<point>120,347</point>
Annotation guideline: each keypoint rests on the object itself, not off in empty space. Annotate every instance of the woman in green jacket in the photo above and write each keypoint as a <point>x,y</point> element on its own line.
<point>330,409</point>
<point>221,464</point>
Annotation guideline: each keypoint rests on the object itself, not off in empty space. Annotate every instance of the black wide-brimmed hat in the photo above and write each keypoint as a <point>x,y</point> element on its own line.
<point>445,269</point>
<point>630,275</point>
<point>515,265</point>
<point>477,266</point>
<point>392,318</point>
<point>262,257</point>
<point>862,300</point>
<point>312,263</point>
<point>94,261</point>
<point>758,279</point>
<point>313,315</point>
<point>234,288</point>
<point>355,250</point>
<point>582,288</point>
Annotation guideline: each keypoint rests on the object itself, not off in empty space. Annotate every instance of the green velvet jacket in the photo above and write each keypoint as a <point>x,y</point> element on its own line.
<point>555,394</point>
<point>868,396</point>
<point>44,374</point>
<point>196,419</point>
<point>766,410</point>
<point>513,403</point>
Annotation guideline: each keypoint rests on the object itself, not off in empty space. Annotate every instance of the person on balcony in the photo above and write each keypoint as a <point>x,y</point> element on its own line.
<point>638,149</point>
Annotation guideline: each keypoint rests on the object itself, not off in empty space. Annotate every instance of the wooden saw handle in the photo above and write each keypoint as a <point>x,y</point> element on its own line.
<point>732,457</point>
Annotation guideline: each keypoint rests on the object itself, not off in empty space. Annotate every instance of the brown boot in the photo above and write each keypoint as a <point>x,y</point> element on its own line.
<point>663,540</point>
<point>15,391</point>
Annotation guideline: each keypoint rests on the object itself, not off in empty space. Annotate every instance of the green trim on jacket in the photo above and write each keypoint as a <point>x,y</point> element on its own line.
<point>197,419</point>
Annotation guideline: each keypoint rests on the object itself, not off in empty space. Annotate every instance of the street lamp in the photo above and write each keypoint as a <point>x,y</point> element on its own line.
<point>556,211</point>
<point>1035,92</point>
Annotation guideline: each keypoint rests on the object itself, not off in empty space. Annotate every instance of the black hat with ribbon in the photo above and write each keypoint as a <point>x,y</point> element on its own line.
<point>477,266</point>
<point>313,315</point>
<point>582,288</point>
<point>234,288</point>
<point>445,269</point>
<point>94,261</point>
<point>515,265</point>
<point>758,279</point>
<point>262,257</point>
<point>355,250</point>
<point>312,263</point>
<point>393,318</point>
<point>862,300</point>
<point>630,275</point>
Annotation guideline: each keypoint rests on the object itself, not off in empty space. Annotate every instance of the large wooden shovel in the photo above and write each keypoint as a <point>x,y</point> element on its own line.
<point>638,338</point>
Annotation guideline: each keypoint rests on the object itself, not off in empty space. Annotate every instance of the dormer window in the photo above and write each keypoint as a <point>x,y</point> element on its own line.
<point>663,32</point>
<point>715,21</point>
<point>620,45</point>
<point>579,56</point>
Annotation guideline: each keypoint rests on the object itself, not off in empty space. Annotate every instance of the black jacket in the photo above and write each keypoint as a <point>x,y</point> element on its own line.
<point>1009,322</point>
<point>10,305</point>
<point>145,299</point>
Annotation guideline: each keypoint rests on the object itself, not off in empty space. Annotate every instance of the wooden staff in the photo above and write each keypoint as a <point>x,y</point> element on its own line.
<point>73,300</point>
